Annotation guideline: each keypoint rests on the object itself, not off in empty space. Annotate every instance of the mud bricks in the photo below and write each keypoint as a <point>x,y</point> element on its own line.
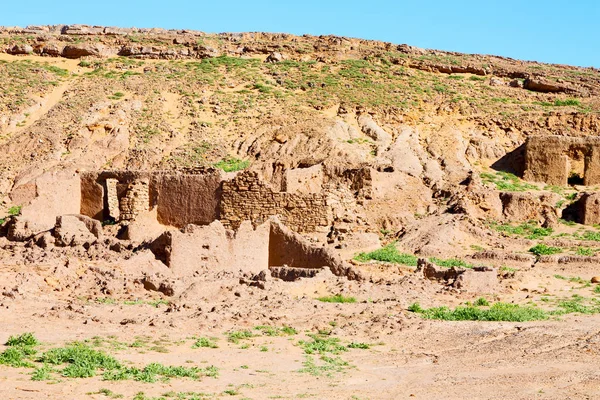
<point>246,197</point>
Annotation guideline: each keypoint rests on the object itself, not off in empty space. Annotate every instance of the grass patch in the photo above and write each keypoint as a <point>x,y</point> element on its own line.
<point>389,254</point>
<point>25,339</point>
<point>236,336</point>
<point>450,262</point>
<point>497,312</point>
<point>274,331</point>
<point>338,298</point>
<point>567,102</point>
<point>585,251</point>
<point>530,230</point>
<point>544,250</point>
<point>232,164</point>
<point>506,181</point>
<point>204,342</point>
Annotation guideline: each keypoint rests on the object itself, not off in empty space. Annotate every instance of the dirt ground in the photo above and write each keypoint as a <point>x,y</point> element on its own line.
<point>407,356</point>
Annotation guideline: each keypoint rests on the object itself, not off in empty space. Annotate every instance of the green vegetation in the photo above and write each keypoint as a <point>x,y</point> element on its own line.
<point>362,346</point>
<point>117,96</point>
<point>481,302</point>
<point>274,331</point>
<point>530,230</point>
<point>236,336</point>
<point>338,298</point>
<point>575,279</point>
<point>390,254</point>
<point>544,250</point>
<point>450,262</point>
<point>25,339</point>
<point>567,102</point>
<point>506,181</point>
<point>78,360</point>
<point>232,164</point>
<point>497,312</point>
<point>205,342</point>
<point>585,251</point>
<point>323,346</point>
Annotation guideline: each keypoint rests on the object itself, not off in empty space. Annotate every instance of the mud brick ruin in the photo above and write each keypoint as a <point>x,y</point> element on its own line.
<point>182,199</point>
<point>554,159</point>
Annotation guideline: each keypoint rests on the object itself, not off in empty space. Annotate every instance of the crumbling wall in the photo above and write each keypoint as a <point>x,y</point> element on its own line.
<point>547,159</point>
<point>247,197</point>
<point>187,199</point>
<point>588,209</point>
<point>50,195</point>
<point>213,248</point>
<point>180,199</point>
<point>135,201</point>
<point>291,249</point>
<point>303,180</point>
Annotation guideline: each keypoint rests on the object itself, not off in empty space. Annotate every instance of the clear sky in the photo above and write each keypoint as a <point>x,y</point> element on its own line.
<point>557,31</point>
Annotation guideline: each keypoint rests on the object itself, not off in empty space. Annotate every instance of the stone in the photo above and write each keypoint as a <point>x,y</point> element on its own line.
<point>494,81</point>
<point>20,230</point>
<point>274,57</point>
<point>20,49</point>
<point>596,279</point>
<point>71,230</point>
<point>84,50</point>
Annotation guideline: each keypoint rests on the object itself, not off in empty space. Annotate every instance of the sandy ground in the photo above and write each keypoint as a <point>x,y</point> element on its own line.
<point>408,357</point>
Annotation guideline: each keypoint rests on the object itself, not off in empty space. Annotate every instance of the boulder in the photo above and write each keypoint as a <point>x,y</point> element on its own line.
<point>21,229</point>
<point>74,230</point>
<point>83,50</point>
<point>274,57</point>
<point>20,49</point>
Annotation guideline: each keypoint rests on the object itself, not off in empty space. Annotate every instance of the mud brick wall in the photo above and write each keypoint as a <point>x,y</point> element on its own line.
<point>136,200</point>
<point>548,158</point>
<point>246,197</point>
<point>179,198</point>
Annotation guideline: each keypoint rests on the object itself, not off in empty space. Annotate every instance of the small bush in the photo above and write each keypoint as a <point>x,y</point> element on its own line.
<point>236,336</point>
<point>204,342</point>
<point>389,254</point>
<point>544,250</point>
<point>363,346</point>
<point>585,251</point>
<point>25,339</point>
<point>450,262</point>
<point>338,298</point>
<point>481,302</point>
<point>322,345</point>
<point>232,164</point>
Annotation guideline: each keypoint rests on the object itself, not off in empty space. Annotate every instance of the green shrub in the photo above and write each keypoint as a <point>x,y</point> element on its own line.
<point>205,342</point>
<point>544,250</point>
<point>450,262</point>
<point>338,298</point>
<point>481,302</point>
<point>236,336</point>
<point>585,251</point>
<point>25,339</point>
<point>232,164</point>
<point>390,254</point>
<point>322,345</point>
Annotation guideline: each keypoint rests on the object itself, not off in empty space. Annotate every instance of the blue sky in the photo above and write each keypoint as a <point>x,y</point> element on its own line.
<point>557,31</point>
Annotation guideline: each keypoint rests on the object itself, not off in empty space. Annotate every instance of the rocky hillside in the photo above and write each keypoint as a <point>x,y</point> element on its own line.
<point>91,98</point>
